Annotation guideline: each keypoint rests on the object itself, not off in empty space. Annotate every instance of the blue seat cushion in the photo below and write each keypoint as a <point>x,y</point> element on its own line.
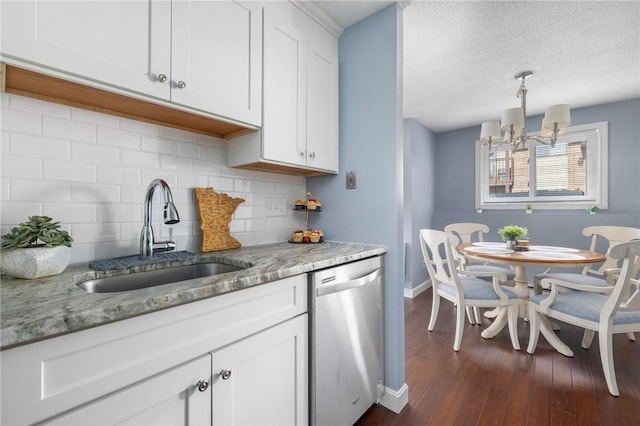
<point>585,305</point>
<point>574,278</point>
<point>491,268</point>
<point>475,288</point>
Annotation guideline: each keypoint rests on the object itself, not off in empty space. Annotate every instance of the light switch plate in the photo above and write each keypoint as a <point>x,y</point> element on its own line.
<point>351,180</point>
<point>276,206</point>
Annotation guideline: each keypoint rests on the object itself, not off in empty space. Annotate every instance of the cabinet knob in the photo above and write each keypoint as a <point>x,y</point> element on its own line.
<point>301,154</point>
<point>202,385</point>
<point>162,78</point>
<point>181,84</point>
<point>312,155</point>
<point>225,374</point>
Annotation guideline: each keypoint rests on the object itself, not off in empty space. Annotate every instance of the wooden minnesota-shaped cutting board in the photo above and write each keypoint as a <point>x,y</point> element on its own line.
<point>215,215</point>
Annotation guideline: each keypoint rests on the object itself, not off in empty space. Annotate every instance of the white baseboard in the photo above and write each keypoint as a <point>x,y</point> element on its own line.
<point>395,400</point>
<point>413,292</point>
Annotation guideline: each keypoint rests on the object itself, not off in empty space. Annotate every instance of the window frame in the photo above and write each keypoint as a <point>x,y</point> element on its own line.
<point>596,137</point>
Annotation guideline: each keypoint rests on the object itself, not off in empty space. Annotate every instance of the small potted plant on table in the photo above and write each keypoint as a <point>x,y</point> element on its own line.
<point>511,233</point>
<point>37,248</point>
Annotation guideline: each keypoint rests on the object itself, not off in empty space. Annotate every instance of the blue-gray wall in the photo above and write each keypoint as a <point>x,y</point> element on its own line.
<point>419,195</point>
<point>455,177</point>
<point>370,54</point>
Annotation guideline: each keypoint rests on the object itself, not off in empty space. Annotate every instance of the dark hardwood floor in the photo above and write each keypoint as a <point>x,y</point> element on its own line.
<point>488,383</point>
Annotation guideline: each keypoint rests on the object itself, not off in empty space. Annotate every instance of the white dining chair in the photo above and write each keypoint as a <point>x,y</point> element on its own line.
<point>605,309</point>
<point>463,288</point>
<point>470,232</point>
<point>590,276</point>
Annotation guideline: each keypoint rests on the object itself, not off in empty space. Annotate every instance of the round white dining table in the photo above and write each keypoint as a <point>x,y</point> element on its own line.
<point>541,256</point>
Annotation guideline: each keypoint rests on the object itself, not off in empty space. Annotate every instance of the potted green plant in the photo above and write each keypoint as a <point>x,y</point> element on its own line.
<point>529,209</point>
<point>594,210</point>
<point>510,233</point>
<point>36,248</point>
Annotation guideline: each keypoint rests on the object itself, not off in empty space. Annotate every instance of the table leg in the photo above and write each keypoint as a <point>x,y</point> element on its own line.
<point>498,324</point>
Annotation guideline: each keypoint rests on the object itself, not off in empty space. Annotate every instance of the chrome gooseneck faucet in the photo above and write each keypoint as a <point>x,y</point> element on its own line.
<point>148,246</point>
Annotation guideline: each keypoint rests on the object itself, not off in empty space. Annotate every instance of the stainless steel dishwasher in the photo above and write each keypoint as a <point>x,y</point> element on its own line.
<point>346,346</point>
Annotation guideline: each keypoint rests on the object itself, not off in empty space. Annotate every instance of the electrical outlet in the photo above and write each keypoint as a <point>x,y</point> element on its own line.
<point>276,206</point>
<point>351,180</point>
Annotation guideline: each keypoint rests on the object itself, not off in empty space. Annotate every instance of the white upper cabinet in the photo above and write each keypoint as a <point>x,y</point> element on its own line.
<point>300,97</point>
<point>216,54</point>
<point>146,47</point>
<point>125,44</point>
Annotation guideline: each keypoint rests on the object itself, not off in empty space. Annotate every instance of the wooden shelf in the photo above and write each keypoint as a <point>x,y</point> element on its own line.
<point>23,82</point>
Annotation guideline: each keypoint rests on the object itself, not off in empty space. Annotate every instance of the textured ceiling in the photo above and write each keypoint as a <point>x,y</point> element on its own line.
<point>460,56</point>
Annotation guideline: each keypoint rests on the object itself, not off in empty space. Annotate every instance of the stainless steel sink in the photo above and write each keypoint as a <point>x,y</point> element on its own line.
<point>139,280</point>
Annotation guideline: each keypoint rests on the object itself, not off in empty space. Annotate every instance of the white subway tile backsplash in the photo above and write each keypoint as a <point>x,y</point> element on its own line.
<point>68,130</point>
<point>92,117</point>
<point>190,150</point>
<point>120,212</point>
<point>71,212</point>
<point>40,147</point>
<point>90,172</point>
<point>95,232</point>
<point>219,155</point>
<point>118,138</point>
<point>22,167</point>
<point>153,143</point>
<point>94,193</point>
<point>14,213</point>
<point>203,167</point>
<point>17,121</point>
<point>39,190</point>
<point>68,171</point>
<point>176,164</point>
<point>24,103</point>
<point>192,181</point>
<point>96,154</point>
<point>118,175</point>
<point>221,184</point>
<point>139,159</point>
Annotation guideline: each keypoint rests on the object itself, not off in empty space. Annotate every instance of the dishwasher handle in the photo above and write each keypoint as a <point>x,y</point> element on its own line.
<point>358,282</point>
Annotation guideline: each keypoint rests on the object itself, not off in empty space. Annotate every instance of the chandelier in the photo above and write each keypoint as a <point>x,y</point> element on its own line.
<point>514,125</point>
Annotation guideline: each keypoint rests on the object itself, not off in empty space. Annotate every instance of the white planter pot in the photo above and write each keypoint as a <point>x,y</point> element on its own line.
<point>35,262</point>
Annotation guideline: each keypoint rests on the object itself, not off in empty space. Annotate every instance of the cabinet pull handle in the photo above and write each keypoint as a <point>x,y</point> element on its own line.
<point>202,385</point>
<point>225,374</point>
<point>162,78</point>
<point>182,84</point>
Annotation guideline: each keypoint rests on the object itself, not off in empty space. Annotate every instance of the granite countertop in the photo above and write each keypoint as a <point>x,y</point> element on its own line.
<point>32,310</point>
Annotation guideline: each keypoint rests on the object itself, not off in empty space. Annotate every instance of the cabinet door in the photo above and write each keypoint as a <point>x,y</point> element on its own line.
<point>322,101</point>
<point>284,132</point>
<point>121,43</point>
<point>170,398</point>
<point>263,379</point>
<point>217,57</point>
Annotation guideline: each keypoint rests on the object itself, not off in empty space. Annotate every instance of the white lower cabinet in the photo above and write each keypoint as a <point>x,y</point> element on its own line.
<point>175,397</point>
<point>262,380</point>
<point>238,358</point>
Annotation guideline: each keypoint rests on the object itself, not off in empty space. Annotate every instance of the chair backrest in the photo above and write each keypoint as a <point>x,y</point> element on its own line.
<point>438,256</point>
<point>625,295</point>
<point>611,235</point>
<point>465,231</point>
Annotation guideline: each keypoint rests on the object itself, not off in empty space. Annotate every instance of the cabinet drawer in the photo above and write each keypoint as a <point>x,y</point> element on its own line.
<point>58,374</point>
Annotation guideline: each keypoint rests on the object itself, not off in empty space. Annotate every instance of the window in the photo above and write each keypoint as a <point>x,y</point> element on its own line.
<point>570,175</point>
